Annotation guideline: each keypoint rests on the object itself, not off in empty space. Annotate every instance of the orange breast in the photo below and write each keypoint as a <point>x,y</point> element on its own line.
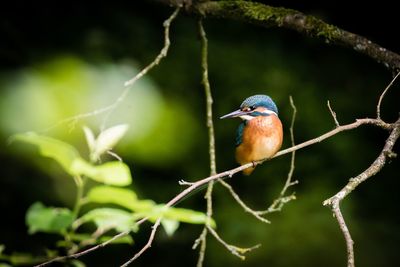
<point>262,138</point>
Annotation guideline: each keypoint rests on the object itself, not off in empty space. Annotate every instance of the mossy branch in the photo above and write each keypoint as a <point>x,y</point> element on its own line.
<point>269,16</point>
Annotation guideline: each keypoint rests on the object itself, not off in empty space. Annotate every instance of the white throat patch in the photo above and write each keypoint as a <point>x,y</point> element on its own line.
<point>247,117</point>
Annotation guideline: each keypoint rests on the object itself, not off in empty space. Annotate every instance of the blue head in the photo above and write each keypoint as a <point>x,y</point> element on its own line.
<point>253,106</point>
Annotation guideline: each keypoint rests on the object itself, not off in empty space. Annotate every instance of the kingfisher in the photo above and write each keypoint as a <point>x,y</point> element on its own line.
<point>260,133</point>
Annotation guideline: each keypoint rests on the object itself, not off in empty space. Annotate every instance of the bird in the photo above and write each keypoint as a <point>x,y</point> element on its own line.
<point>260,134</point>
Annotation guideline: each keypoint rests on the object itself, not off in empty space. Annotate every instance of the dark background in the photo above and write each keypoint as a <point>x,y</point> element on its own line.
<point>243,60</point>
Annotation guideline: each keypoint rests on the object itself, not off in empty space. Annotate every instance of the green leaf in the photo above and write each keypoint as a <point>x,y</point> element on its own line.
<point>110,218</point>
<point>144,208</point>
<point>77,263</point>
<point>119,196</point>
<point>122,240</point>
<point>25,259</point>
<point>113,172</point>
<point>48,219</point>
<point>63,153</point>
<point>170,226</point>
<point>89,138</point>
<point>86,237</point>
<point>176,214</point>
<point>108,138</point>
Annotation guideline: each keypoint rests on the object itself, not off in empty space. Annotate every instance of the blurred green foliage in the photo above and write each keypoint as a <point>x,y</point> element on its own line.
<point>66,222</point>
<point>64,60</point>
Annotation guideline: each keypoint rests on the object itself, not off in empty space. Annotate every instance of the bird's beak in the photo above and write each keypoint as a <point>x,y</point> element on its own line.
<point>236,113</point>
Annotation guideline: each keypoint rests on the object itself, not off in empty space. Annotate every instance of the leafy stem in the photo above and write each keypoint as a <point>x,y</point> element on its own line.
<point>80,184</point>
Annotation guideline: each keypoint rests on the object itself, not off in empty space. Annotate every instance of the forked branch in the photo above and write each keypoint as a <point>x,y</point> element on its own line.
<point>374,168</point>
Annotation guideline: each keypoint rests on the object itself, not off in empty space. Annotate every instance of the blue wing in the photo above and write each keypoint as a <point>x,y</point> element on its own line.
<point>239,133</point>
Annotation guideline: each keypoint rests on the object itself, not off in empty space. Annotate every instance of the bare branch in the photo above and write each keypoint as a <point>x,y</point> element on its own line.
<point>198,240</point>
<point>209,100</point>
<point>374,168</point>
<point>163,52</point>
<point>333,113</point>
<point>342,128</point>
<point>148,244</point>
<point>378,107</point>
<point>202,240</point>
<point>211,138</point>
<point>237,251</point>
<point>242,204</point>
<point>79,254</point>
<point>346,233</point>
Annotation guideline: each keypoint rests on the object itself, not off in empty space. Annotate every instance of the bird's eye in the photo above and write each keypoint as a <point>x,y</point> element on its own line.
<point>247,109</point>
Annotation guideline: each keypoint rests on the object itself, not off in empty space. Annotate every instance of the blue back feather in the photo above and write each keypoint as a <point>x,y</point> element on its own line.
<point>239,133</point>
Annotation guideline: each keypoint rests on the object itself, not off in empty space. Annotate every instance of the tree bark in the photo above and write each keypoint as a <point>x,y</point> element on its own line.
<point>268,16</point>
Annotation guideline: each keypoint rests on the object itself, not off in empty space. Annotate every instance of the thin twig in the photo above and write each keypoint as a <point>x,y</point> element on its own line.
<point>333,113</point>
<point>346,233</point>
<point>211,139</point>
<point>378,107</point>
<point>80,254</point>
<point>202,240</point>
<point>198,240</point>
<point>183,182</point>
<point>209,101</point>
<point>374,168</point>
<point>148,244</point>
<point>163,53</point>
<point>242,204</point>
<point>237,251</point>
<point>114,155</point>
